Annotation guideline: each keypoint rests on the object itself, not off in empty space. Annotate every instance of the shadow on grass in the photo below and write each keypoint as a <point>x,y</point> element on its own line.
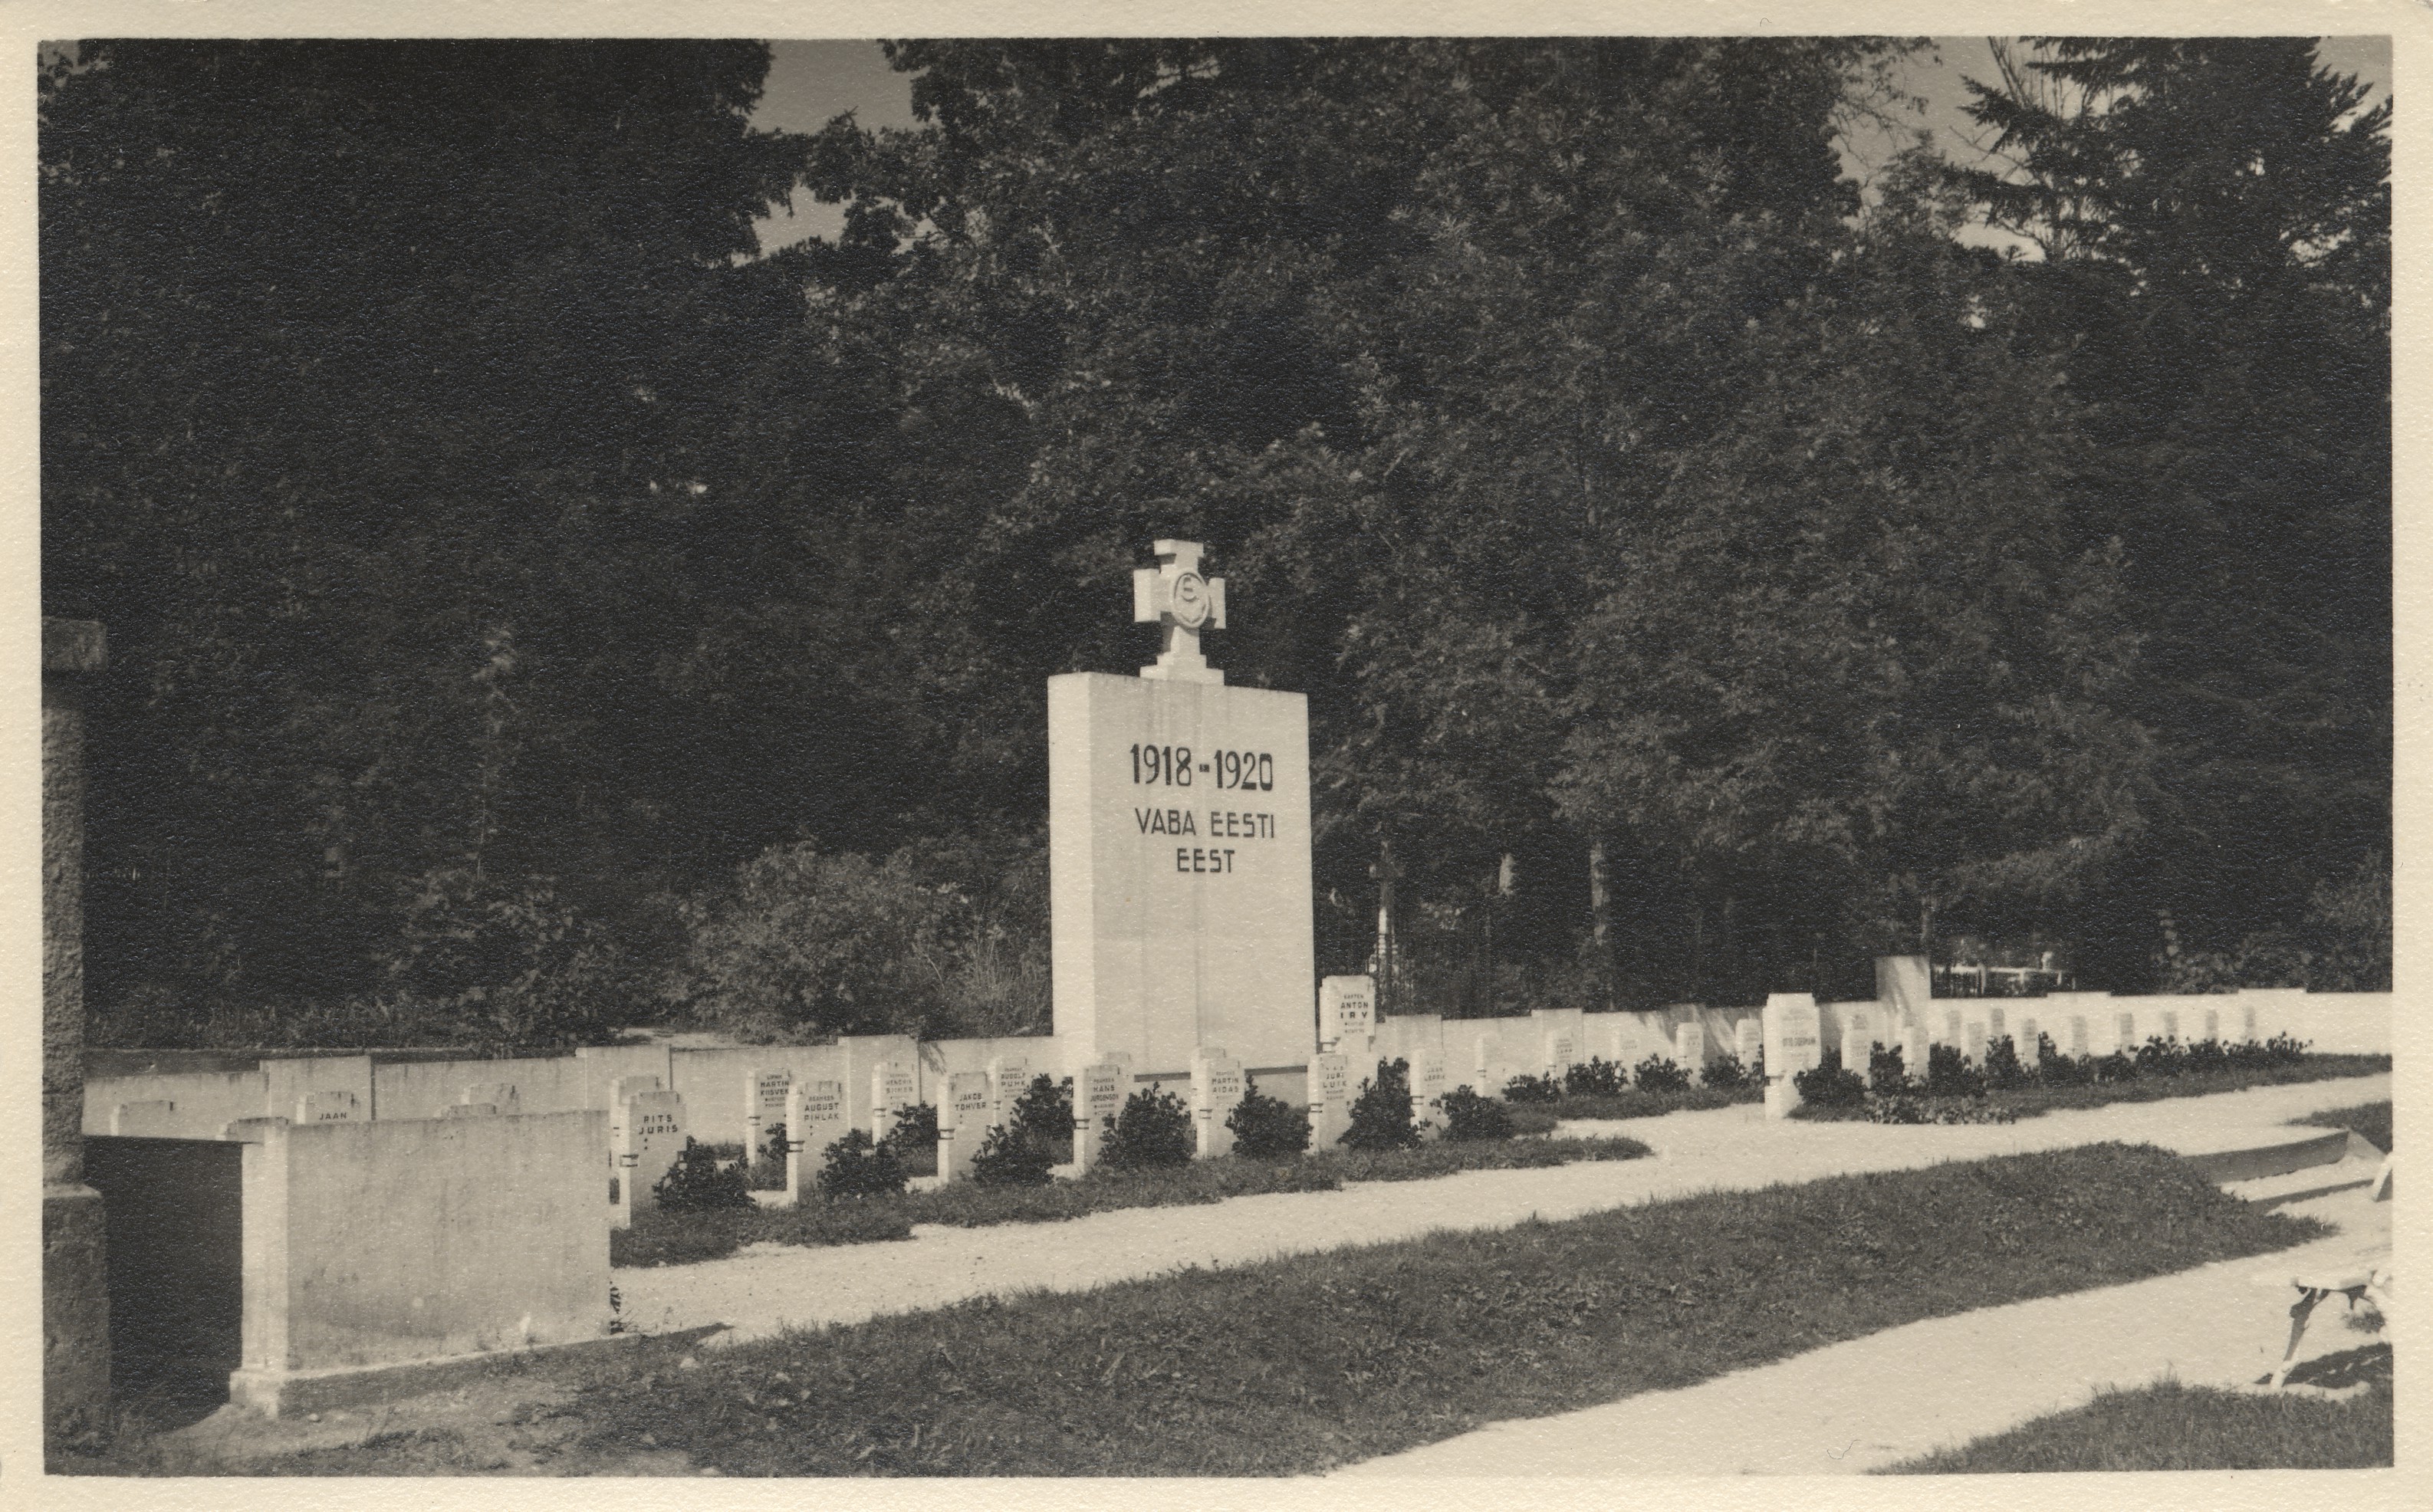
<point>1308,1363</point>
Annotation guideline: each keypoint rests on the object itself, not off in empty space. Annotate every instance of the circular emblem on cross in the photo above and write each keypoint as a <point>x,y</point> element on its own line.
<point>1190,600</point>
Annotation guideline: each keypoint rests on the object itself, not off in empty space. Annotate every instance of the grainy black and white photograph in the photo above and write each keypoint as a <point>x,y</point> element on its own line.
<point>1398,758</point>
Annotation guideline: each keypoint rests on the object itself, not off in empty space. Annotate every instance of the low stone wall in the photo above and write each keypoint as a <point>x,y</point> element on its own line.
<point>374,1243</point>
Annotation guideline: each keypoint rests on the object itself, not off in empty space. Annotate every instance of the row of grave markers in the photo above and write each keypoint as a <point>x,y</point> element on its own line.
<point>1794,1042</point>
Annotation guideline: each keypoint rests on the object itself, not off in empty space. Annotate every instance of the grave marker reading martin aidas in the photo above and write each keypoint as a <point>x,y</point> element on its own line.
<point>1179,863</point>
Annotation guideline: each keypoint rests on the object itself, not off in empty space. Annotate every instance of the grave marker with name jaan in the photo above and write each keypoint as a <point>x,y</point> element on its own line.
<point>1179,849</point>
<point>328,1108</point>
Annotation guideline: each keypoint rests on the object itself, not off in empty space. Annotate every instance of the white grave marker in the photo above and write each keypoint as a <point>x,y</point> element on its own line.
<point>2078,1036</point>
<point>1216,1090</point>
<point>1329,1099</point>
<point>2030,1034</point>
<point>648,1137</point>
<point>2213,1025</point>
<point>1795,1042</point>
<point>764,1108</point>
<point>150,1118</point>
<point>1690,1047</point>
<point>1431,1079</point>
<point>1099,1095</point>
<point>815,1118</point>
<point>1347,1013</point>
<point>892,1084</point>
<point>501,1097</point>
<point>1858,1041</point>
<point>962,1123</point>
<point>2170,1024</point>
<point>1009,1078</point>
<point>1917,1051</point>
<point>1562,1053</point>
<point>328,1108</point>
<point>1748,1038</point>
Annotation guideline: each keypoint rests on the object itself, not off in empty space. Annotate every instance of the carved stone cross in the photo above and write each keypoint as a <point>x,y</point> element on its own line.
<point>1183,603</point>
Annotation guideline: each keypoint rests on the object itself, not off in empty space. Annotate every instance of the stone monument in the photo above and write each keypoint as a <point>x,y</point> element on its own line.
<point>1178,850</point>
<point>1793,1043</point>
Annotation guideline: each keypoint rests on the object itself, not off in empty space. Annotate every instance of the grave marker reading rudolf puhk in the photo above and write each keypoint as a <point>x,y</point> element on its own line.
<point>1179,849</point>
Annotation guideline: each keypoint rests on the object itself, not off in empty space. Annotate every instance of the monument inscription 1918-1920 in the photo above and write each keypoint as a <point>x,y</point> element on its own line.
<point>1180,849</point>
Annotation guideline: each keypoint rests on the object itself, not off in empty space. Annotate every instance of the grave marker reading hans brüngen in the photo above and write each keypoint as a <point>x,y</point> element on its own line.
<point>1178,850</point>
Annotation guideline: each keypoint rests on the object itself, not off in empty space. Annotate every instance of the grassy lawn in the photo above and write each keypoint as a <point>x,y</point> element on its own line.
<point>660,1238</point>
<point>2174,1427</point>
<point>2030,1102</point>
<point>1303,1364</point>
<point>2371,1119</point>
<point>1532,1117</point>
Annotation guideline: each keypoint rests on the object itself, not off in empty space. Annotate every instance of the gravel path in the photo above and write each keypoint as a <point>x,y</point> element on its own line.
<point>766,1288</point>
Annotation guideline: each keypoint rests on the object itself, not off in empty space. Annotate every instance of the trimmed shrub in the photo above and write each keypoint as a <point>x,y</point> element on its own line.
<point>699,1181</point>
<point>1044,1111</point>
<point>1469,1116</point>
<point>856,1166</point>
<point>1935,1111</point>
<point>914,1128</point>
<point>1658,1074</point>
<point>1265,1128</point>
<point>2159,1057</point>
<point>768,1170</point>
<point>1597,1078</point>
<point>1723,1072</point>
<point>1887,1070</point>
<point>1152,1130</point>
<point>1831,1086</point>
<point>1381,1114</point>
<point>2112,1067</point>
<point>1949,1075</point>
<point>1533,1089</point>
<point>2002,1068</point>
<point>2206,1055</point>
<point>1009,1156</point>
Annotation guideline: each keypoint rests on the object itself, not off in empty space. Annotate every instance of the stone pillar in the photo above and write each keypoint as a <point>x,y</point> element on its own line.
<point>75,1294</point>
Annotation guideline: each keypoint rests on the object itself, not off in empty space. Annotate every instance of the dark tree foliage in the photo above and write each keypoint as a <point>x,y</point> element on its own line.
<point>2217,212</point>
<point>531,608</point>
